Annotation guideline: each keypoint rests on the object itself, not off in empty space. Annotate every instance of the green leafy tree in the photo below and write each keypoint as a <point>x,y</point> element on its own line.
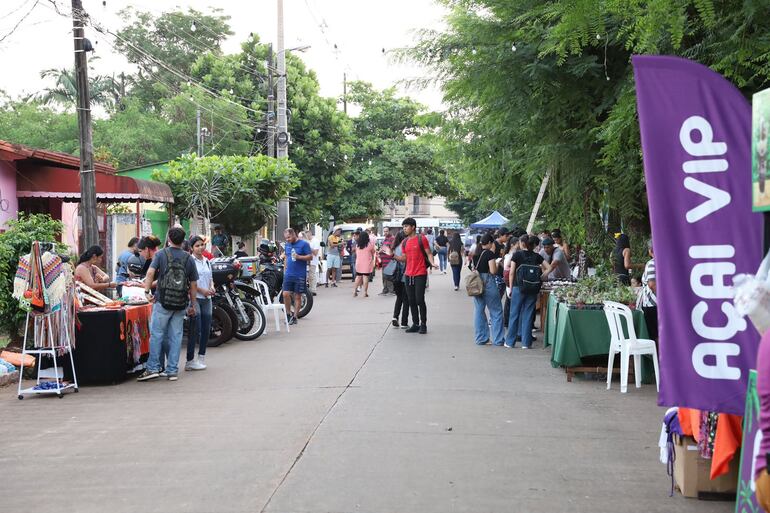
<point>396,154</point>
<point>38,126</point>
<point>101,89</point>
<point>239,192</point>
<point>16,241</point>
<point>537,86</point>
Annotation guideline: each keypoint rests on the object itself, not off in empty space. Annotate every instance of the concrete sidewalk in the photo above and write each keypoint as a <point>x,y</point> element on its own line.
<point>345,414</point>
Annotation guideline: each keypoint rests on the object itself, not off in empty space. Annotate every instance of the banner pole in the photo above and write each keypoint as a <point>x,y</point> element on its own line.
<point>539,199</point>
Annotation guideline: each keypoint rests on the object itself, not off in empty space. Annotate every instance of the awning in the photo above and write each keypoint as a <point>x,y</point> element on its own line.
<point>493,220</point>
<point>62,183</point>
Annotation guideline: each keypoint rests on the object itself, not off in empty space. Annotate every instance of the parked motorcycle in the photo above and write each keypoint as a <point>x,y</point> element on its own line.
<point>237,299</point>
<point>269,269</point>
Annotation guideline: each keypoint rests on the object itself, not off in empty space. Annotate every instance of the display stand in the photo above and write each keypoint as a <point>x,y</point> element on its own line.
<point>43,328</point>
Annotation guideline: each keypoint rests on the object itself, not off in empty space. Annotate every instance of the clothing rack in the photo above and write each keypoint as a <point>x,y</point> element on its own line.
<point>51,333</point>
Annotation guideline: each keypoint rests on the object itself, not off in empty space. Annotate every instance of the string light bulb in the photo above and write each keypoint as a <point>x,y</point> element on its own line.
<point>473,51</point>
<point>513,47</point>
<point>193,28</point>
<point>598,36</point>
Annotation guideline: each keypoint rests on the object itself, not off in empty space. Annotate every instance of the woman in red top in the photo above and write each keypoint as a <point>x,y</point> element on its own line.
<point>365,254</point>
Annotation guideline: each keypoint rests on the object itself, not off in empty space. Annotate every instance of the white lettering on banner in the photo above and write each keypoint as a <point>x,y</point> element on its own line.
<point>720,369</point>
<point>735,322</point>
<point>717,198</point>
<point>710,358</point>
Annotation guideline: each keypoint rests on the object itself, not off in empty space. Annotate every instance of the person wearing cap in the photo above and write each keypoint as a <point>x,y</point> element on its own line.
<point>556,261</point>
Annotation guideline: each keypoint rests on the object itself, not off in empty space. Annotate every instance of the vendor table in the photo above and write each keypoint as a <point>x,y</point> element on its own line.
<point>109,343</point>
<point>577,334</point>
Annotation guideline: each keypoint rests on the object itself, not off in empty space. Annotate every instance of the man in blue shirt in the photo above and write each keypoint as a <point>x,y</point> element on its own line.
<point>297,254</point>
<point>122,275</point>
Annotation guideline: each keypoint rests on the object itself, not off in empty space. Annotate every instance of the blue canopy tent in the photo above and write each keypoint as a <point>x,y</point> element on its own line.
<point>493,220</point>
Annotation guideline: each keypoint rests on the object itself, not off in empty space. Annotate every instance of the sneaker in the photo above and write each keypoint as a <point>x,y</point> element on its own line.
<point>148,375</point>
<point>334,285</point>
<point>194,365</point>
<point>457,288</point>
<point>525,347</point>
<point>326,285</point>
<point>383,293</point>
<point>423,329</point>
<point>172,377</point>
<point>202,360</point>
<point>292,320</point>
<point>395,323</point>
<point>162,374</point>
<point>508,346</point>
<point>413,329</point>
<point>482,343</point>
<point>404,325</point>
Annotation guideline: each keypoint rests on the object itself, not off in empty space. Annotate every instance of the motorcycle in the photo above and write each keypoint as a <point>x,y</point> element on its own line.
<point>269,269</point>
<point>237,299</point>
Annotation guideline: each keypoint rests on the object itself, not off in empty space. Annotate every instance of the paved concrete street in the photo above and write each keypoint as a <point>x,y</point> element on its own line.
<point>345,415</point>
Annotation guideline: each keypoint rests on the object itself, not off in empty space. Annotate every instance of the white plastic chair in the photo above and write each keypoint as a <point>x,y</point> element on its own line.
<point>627,346</point>
<point>278,309</point>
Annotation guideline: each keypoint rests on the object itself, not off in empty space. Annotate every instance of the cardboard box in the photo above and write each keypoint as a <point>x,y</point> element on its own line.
<point>691,472</point>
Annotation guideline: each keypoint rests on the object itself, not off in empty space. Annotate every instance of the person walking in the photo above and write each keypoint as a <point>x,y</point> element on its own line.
<point>334,245</point>
<point>200,324</point>
<point>177,291</point>
<point>366,253</point>
<point>418,257</point>
<point>297,254</point>
<point>431,244</point>
<point>401,308</point>
<point>385,255</point>
<point>350,247</point>
<point>485,262</point>
<point>442,250</point>
<point>312,272</point>
<point>122,276</point>
<point>456,257</point>
<point>527,268</point>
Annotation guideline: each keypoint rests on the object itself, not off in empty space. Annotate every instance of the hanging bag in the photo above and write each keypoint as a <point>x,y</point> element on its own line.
<point>474,285</point>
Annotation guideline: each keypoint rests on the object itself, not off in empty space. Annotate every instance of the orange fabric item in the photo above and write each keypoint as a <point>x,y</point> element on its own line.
<point>689,419</point>
<point>726,444</point>
<point>16,359</point>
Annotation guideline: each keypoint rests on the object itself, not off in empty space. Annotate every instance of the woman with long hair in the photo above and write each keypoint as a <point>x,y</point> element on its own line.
<point>200,324</point>
<point>456,255</point>
<point>88,272</point>
<point>401,307</point>
<point>485,263</point>
<point>365,255</point>
<point>621,259</point>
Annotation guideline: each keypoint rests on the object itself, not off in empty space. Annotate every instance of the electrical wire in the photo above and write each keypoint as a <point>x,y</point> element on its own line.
<point>18,23</point>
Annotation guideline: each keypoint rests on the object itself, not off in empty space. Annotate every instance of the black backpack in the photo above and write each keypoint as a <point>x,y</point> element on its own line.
<point>174,287</point>
<point>528,278</point>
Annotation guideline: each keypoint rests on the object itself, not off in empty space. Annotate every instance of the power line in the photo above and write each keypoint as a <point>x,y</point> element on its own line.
<point>21,20</point>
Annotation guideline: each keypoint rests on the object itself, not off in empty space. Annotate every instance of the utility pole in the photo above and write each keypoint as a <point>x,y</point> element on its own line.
<point>198,132</point>
<point>90,233</point>
<point>282,134</point>
<point>345,92</point>
<point>270,104</point>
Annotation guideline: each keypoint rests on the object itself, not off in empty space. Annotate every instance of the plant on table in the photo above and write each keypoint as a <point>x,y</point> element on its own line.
<point>594,290</point>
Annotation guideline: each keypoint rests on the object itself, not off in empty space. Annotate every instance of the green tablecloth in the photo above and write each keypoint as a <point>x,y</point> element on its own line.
<point>575,334</point>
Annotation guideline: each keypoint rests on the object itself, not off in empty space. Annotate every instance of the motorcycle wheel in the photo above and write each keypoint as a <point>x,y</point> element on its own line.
<point>306,305</point>
<point>221,327</point>
<point>256,325</point>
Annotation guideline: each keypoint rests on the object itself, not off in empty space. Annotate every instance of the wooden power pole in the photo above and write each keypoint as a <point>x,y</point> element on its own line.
<point>90,234</point>
<point>270,104</point>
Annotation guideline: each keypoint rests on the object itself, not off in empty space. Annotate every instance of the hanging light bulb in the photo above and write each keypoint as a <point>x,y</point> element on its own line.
<point>370,162</point>
<point>231,91</point>
<point>598,36</point>
<point>346,157</point>
<point>193,28</point>
<point>513,47</point>
<point>473,51</point>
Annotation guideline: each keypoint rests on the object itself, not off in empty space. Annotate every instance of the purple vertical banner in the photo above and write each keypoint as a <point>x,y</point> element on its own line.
<point>696,140</point>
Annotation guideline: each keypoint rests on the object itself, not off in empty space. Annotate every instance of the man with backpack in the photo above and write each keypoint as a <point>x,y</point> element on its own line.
<point>177,288</point>
<point>527,268</point>
<point>418,256</point>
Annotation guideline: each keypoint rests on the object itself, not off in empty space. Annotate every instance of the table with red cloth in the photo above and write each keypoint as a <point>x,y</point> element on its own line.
<point>111,342</point>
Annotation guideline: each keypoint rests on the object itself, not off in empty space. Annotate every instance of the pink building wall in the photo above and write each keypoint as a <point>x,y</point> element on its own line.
<point>9,205</point>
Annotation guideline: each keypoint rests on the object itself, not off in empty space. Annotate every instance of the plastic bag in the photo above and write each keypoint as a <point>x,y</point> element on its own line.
<point>751,296</point>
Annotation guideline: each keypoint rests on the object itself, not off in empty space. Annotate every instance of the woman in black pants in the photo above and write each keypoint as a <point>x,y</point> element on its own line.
<point>456,256</point>
<point>402,301</point>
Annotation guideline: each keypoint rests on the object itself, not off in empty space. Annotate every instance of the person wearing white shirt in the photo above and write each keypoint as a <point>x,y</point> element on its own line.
<point>315,249</point>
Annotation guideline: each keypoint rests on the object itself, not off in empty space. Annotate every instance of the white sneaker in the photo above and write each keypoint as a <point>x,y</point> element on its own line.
<point>202,360</point>
<point>194,365</point>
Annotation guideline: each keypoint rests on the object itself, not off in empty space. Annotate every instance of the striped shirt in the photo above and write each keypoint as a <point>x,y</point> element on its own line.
<point>647,297</point>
